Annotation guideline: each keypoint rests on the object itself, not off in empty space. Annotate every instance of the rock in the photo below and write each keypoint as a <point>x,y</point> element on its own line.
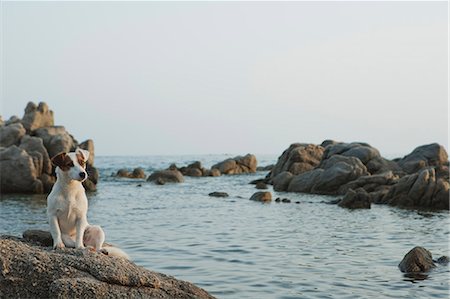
<point>278,199</point>
<point>443,260</point>
<point>419,190</point>
<point>358,199</point>
<point>169,176</point>
<point>214,172</point>
<point>89,146</point>
<point>93,174</point>
<point>13,120</point>
<point>18,173</point>
<point>263,196</point>
<point>30,271</point>
<point>36,117</point>
<point>282,180</point>
<point>194,169</point>
<point>417,259</point>
<point>47,182</point>
<point>42,237</point>
<point>330,176</point>
<point>370,183</point>
<point>123,173</point>
<point>286,200</point>
<point>265,168</point>
<point>89,185</point>
<point>237,165</point>
<point>298,158</point>
<point>11,134</point>
<point>424,156</point>
<point>194,172</point>
<point>35,144</point>
<point>160,181</point>
<point>218,194</point>
<point>261,185</point>
<point>56,140</point>
<point>138,173</point>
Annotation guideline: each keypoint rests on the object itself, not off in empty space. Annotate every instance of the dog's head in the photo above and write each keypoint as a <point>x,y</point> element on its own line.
<point>73,164</point>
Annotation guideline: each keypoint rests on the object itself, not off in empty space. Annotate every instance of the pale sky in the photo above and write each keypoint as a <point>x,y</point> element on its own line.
<point>143,78</point>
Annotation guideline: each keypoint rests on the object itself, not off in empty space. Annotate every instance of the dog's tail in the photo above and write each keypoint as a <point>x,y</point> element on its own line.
<point>114,251</point>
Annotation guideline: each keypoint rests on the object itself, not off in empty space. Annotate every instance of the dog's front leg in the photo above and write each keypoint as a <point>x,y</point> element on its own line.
<point>81,225</point>
<point>55,231</point>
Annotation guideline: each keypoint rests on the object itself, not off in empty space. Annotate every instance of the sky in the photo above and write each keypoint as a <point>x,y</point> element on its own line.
<point>171,78</point>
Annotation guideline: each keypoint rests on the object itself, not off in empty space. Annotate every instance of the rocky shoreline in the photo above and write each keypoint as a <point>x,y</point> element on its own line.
<point>29,269</point>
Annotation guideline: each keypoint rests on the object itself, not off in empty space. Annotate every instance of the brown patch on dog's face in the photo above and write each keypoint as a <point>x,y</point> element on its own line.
<point>63,161</point>
<point>81,161</point>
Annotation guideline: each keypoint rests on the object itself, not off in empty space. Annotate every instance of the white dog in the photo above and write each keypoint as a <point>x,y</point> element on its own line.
<point>67,206</point>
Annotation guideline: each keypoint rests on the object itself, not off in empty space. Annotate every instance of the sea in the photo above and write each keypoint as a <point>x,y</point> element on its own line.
<point>237,248</point>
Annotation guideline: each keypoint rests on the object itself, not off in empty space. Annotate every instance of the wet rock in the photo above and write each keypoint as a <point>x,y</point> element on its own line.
<point>286,200</point>
<point>237,165</point>
<point>218,194</point>
<point>263,196</point>
<point>18,173</point>
<point>261,185</point>
<point>355,199</point>
<point>417,259</point>
<point>298,158</point>
<point>443,260</point>
<point>160,181</point>
<point>282,180</point>
<point>169,176</point>
<point>30,271</point>
<point>36,117</point>
<point>123,173</point>
<point>11,134</point>
<point>278,199</point>
<point>423,157</point>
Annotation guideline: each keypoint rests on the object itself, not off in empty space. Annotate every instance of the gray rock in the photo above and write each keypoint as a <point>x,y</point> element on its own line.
<point>18,173</point>
<point>261,185</point>
<point>423,157</point>
<point>370,182</point>
<point>282,180</point>
<point>218,194</point>
<point>214,173</point>
<point>416,260</point>
<point>11,134</point>
<point>35,144</point>
<point>56,140</point>
<point>169,176</point>
<point>355,199</point>
<point>30,271</point>
<point>265,168</point>
<point>36,117</point>
<point>263,196</point>
<point>13,120</point>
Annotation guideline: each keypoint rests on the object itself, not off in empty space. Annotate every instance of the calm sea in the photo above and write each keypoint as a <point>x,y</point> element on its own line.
<point>237,248</point>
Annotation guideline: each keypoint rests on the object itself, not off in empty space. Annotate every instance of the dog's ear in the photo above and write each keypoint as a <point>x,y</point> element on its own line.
<point>82,154</point>
<point>62,160</point>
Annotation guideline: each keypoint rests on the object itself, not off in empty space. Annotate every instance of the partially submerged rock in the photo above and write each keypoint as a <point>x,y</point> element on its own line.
<point>263,196</point>
<point>168,176</point>
<point>355,199</point>
<point>31,271</point>
<point>218,194</point>
<point>237,165</point>
<point>137,173</point>
<point>416,260</point>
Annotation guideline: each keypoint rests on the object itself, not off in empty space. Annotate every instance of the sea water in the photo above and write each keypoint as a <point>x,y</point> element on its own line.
<point>237,248</point>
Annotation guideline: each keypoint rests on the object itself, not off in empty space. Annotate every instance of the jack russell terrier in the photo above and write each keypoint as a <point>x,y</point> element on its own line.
<point>67,207</point>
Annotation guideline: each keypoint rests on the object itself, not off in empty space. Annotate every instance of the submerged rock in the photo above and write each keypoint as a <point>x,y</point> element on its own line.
<point>417,259</point>
<point>31,271</point>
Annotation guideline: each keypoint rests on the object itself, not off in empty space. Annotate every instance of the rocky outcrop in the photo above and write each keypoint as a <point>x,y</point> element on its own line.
<point>424,156</point>
<point>11,135</point>
<point>36,117</point>
<point>420,190</point>
<point>416,260</point>
<point>166,176</point>
<point>32,271</point>
<point>356,199</point>
<point>26,146</point>
<point>298,158</point>
<point>194,169</point>
<point>18,172</point>
<point>237,165</point>
<point>263,196</point>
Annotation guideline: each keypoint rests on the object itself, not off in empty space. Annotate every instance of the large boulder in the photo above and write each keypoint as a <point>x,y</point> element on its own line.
<point>424,156</point>
<point>298,158</point>
<point>167,176</point>
<point>35,147</point>
<point>420,190</point>
<point>330,176</point>
<point>237,165</point>
<point>36,117</point>
<point>56,140</point>
<point>31,271</point>
<point>11,134</point>
<point>18,172</point>
<point>417,260</point>
<point>355,199</point>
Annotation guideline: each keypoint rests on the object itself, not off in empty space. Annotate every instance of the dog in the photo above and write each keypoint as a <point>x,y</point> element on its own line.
<point>67,206</point>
